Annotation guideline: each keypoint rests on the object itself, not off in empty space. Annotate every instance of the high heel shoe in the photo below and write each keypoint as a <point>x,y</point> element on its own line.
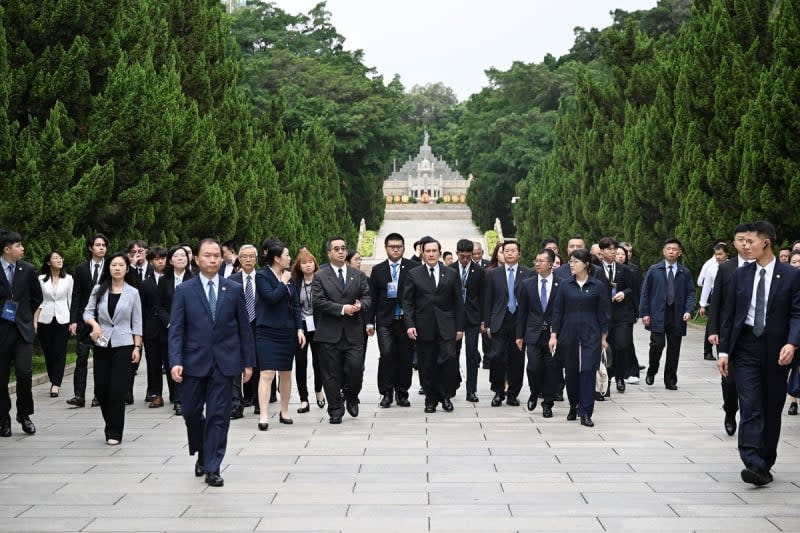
<point>54,389</point>
<point>284,420</point>
<point>303,408</point>
<point>320,403</point>
<point>263,426</point>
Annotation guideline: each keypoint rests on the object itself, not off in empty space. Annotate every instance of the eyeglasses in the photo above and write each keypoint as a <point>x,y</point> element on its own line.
<point>247,256</point>
<point>542,261</point>
<point>339,249</point>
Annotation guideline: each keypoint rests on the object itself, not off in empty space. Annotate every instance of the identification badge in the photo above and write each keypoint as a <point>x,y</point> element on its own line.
<point>391,289</point>
<point>613,290</point>
<point>310,323</point>
<point>10,310</point>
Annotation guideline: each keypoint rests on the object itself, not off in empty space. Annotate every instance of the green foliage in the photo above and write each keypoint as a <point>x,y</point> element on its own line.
<point>367,246</point>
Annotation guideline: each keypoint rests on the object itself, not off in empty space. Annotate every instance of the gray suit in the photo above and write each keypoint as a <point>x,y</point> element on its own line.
<point>127,319</point>
<point>341,337</point>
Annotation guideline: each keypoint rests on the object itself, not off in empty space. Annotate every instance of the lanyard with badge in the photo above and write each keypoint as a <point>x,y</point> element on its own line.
<point>391,287</point>
<point>308,315</point>
<point>10,306</point>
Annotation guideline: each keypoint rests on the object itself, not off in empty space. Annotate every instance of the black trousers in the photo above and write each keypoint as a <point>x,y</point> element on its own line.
<point>672,338</point>
<point>761,384</point>
<point>543,370</point>
<point>580,389</point>
<point>154,350</point>
<point>620,338</point>
<point>473,356</point>
<point>508,361</point>
<point>342,367</point>
<point>82,349</point>
<point>53,338</point>
<point>112,372</point>
<point>730,396</point>
<point>301,366</point>
<point>438,369</point>
<point>394,365</point>
<point>14,349</point>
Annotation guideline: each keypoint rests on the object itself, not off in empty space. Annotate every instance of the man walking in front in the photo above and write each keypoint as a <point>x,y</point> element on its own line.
<point>210,341</point>
<point>760,332</point>
<point>20,296</point>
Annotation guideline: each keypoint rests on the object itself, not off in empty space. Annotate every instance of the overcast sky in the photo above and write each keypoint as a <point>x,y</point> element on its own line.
<point>454,41</point>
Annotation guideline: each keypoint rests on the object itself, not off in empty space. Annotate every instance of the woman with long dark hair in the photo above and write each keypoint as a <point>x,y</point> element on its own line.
<point>114,313</point>
<point>279,328</point>
<point>581,318</point>
<point>51,319</point>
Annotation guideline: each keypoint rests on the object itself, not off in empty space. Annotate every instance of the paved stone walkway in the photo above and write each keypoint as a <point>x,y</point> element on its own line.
<point>657,460</point>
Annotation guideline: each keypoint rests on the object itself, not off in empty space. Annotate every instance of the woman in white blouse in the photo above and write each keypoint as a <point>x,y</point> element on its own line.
<point>51,320</point>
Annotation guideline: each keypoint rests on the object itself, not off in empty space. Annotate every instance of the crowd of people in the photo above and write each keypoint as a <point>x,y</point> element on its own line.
<point>228,334</point>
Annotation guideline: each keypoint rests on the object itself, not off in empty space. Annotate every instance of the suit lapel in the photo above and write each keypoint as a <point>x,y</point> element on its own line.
<point>201,292</point>
<point>777,280</point>
<point>749,276</point>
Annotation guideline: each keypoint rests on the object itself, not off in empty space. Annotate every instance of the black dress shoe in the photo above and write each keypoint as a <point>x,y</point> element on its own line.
<point>793,408</point>
<point>149,398</point>
<point>96,402</point>
<point>199,469</point>
<point>247,403</point>
<point>352,408</point>
<point>620,385</point>
<point>730,424</point>
<point>485,363</point>
<point>671,386</point>
<point>336,420</point>
<point>430,407</point>
<point>284,420</point>
<point>447,405</point>
<point>178,409</point>
<point>321,403</point>
<point>237,413</point>
<point>27,425</point>
<point>213,479</point>
<point>421,391</point>
<point>587,421</point>
<point>497,401</point>
<point>513,402</point>
<point>5,427</point>
<point>403,402</point>
<point>386,401</point>
<point>756,477</point>
<point>76,401</point>
<point>273,399</point>
<point>599,396</point>
<point>709,357</point>
<point>257,410</point>
<point>129,399</point>
<point>641,367</point>
<point>532,401</point>
<point>547,412</point>
<point>472,397</point>
<point>649,379</point>
<point>263,426</point>
<point>573,414</point>
<point>305,409</point>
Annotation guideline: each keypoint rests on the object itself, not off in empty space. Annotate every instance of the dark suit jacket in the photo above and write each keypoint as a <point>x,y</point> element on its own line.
<point>81,289</point>
<point>198,343</point>
<point>166,291</point>
<point>623,312</point>
<point>719,294</point>
<point>151,324</point>
<point>496,295</point>
<point>653,301</point>
<point>533,321</point>
<point>27,293</point>
<point>580,317</point>
<point>436,312</point>
<point>476,281</point>
<point>381,311</point>
<point>329,298</point>
<point>782,321</point>
<point>276,306</point>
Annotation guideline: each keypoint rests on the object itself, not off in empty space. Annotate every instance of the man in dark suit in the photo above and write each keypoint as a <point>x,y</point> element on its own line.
<point>434,318</point>
<point>210,341</point>
<point>666,304</point>
<point>536,301</point>
<point>575,242</point>
<point>636,272</point>
<point>472,278</point>
<point>140,269</point>
<point>87,275</point>
<point>619,281</point>
<point>386,283</point>
<point>477,255</point>
<point>501,303</point>
<point>717,301</point>
<point>154,336</point>
<point>760,332</point>
<point>246,277</point>
<point>20,296</point>
<point>340,294</point>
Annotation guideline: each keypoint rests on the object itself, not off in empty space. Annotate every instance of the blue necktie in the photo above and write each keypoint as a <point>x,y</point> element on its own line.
<point>512,298</point>
<point>10,275</point>
<point>543,294</point>
<point>212,300</point>
<point>761,305</point>
<point>398,311</point>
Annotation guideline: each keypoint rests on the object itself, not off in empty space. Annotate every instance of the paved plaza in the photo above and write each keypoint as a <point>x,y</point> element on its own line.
<point>656,460</point>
